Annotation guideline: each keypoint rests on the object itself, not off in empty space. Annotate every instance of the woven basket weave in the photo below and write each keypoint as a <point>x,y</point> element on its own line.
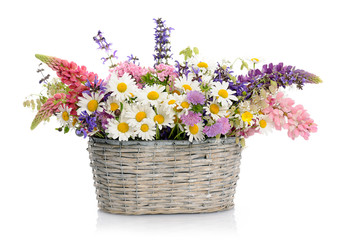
<point>164,177</point>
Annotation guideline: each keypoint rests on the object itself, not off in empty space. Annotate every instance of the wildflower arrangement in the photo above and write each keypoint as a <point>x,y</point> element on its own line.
<point>192,99</point>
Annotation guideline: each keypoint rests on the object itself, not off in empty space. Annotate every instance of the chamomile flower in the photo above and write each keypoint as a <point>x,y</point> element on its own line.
<point>163,117</point>
<point>122,87</point>
<point>153,95</point>
<point>215,110</point>
<point>136,113</point>
<point>183,105</point>
<point>195,132</point>
<point>90,103</point>
<point>171,101</point>
<point>112,105</point>
<point>255,61</point>
<point>146,129</point>
<point>264,124</point>
<point>64,115</point>
<point>186,84</point>
<point>223,94</point>
<point>120,130</point>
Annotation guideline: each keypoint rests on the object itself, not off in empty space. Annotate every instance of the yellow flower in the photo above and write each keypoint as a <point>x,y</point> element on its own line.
<point>247,117</point>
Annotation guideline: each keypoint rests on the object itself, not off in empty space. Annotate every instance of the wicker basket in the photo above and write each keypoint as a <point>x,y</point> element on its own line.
<point>164,177</point>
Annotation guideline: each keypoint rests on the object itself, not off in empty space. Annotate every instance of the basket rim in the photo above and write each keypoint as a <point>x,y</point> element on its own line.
<point>227,140</point>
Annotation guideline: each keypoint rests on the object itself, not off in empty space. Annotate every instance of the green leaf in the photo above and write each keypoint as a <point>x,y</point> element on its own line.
<point>196,51</point>
<point>66,129</point>
<point>273,83</point>
<point>197,108</point>
<point>187,53</point>
<point>244,65</point>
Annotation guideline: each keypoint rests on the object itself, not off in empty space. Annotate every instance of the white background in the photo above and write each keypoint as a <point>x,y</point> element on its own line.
<point>287,189</point>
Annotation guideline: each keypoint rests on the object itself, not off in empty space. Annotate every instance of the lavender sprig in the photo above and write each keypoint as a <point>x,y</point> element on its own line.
<point>133,59</point>
<point>162,43</point>
<point>103,45</point>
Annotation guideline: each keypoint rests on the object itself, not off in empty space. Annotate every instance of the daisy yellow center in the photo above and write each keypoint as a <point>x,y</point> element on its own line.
<point>140,116</point>
<point>186,87</point>
<point>223,93</point>
<point>123,127</point>
<point>171,102</point>
<point>247,116</point>
<point>144,128</point>
<point>92,105</point>
<point>202,65</point>
<point>65,116</point>
<point>153,95</point>
<point>262,123</point>
<point>159,119</point>
<point>214,108</point>
<point>256,60</point>
<point>185,104</point>
<point>193,129</point>
<point>121,87</point>
<point>114,106</point>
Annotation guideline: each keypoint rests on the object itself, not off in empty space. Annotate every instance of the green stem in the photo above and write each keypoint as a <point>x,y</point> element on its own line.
<point>178,135</point>
<point>157,133</point>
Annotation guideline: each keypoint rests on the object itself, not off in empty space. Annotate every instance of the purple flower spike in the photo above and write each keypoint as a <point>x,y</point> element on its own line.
<point>162,48</point>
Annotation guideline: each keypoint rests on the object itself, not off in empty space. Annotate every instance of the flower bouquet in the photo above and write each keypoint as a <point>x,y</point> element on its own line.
<point>168,138</point>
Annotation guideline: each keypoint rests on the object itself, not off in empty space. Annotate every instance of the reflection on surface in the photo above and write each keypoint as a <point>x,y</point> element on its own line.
<point>208,224</point>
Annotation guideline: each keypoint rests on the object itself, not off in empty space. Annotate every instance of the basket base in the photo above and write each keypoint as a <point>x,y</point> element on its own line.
<point>166,211</point>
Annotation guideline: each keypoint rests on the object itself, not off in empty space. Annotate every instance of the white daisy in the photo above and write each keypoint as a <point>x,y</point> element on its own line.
<point>146,129</point>
<point>255,61</point>
<point>152,94</point>
<point>216,110</point>
<point>163,117</point>
<point>64,115</point>
<point>120,130</point>
<point>195,132</point>
<point>186,84</point>
<point>223,94</point>
<point>122,87</point>
<point>183,105</point>
<point>139,112</point>
<point>264,124</point>
<point>112,105</point>
<point>90,103</point>
<point>171,101</point>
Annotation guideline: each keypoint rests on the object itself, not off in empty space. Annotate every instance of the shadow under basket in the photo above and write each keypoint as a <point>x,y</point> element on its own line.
<point>164,177</point>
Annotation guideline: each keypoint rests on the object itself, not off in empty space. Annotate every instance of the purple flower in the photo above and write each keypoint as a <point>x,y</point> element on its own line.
<point>195,97</point>
<point>104,45</point>
<point>88,121</point>
<point>191,118</point>
<point>96,86</point>
<point>81,132</point>
<point>162,48</point>
<point>222,126</point>
<point>225,125</point>
<point>104,117</point>
<point>132,59</point>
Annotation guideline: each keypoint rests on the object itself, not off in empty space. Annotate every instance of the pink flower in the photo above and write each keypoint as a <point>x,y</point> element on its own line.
<point>164,71</point>
<point>293,118</point>
<point>134,70</point>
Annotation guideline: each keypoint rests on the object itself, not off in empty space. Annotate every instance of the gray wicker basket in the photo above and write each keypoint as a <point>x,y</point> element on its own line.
<point>164,177</point>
